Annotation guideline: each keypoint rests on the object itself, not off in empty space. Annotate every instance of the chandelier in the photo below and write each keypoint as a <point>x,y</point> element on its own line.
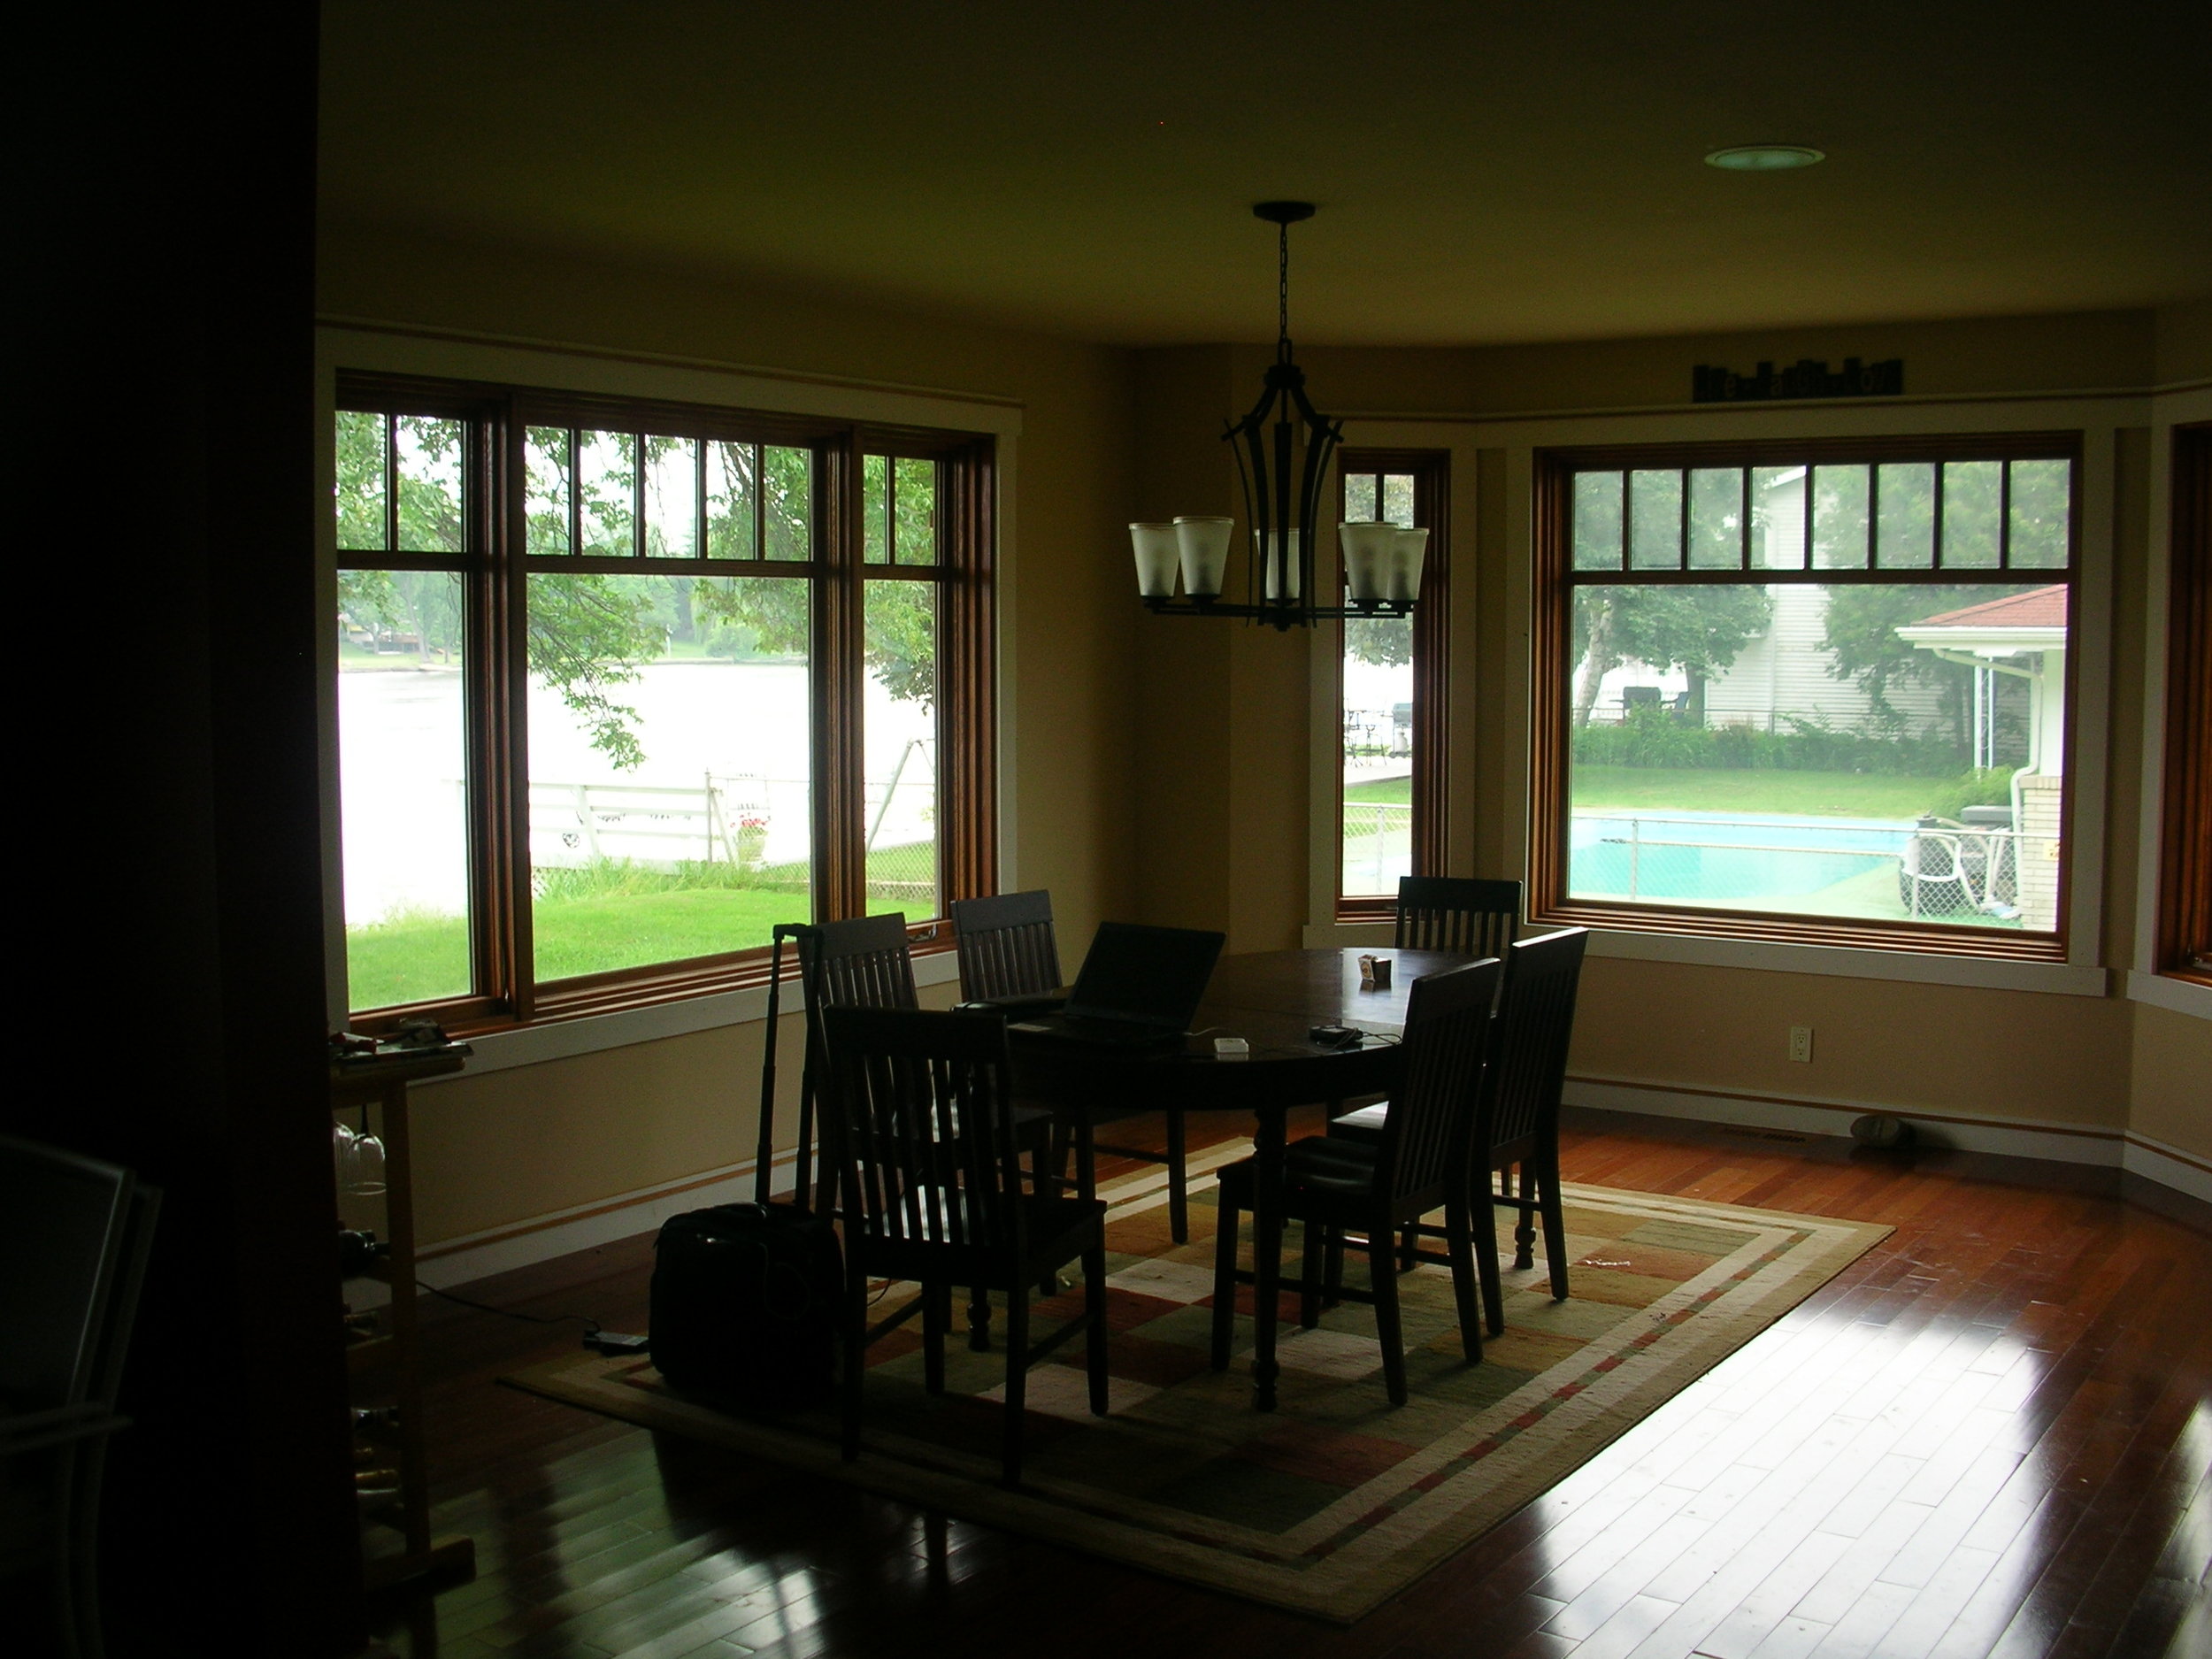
<point>1283,448</point>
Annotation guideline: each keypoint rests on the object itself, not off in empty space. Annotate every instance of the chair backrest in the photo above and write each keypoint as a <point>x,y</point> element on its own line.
<point>918,1109</point>
<point>63,1223</point>
<point>1006,946</point>
<point>863,962</point>
<point>1528,1051</point>
<point>1457,913</point>
<point>1432,1109</point>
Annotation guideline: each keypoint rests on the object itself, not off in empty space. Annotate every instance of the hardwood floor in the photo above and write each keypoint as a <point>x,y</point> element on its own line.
<point>1991,1435</point>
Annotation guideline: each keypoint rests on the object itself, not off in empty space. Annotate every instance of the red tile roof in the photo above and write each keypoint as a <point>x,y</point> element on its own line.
<point>2040,608</point>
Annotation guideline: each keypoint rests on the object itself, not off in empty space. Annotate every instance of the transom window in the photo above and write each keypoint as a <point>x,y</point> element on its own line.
<point>621,687</point>
<point>1818,695</point>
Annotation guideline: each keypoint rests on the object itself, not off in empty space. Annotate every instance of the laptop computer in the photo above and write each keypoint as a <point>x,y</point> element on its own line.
<point>1138,988</point>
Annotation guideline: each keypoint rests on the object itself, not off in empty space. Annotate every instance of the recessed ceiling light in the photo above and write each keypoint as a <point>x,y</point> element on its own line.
<point>1764,158</point>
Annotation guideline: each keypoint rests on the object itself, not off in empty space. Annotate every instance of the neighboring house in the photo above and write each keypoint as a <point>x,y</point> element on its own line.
<point>2022,637</point>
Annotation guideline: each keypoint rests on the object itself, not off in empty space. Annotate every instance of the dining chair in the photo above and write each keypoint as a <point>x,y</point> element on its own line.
<point>1336,1186</point>
<point>921,1127</point>
<point>1513,1150</point>
<point>74,1237</point>
<point>864,962</point>
<point>1007,953</point>
<point>1462,913</point>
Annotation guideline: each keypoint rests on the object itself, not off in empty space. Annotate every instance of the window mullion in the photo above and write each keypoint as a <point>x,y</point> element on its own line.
<point>503,694</point>
<point>841,794</point>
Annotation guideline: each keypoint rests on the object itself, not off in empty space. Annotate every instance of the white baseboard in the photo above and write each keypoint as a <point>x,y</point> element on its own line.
<point>452,1263</point>
<point>2103,1149</point>
<point>2168,1166</point>
<point>2012,1137</point>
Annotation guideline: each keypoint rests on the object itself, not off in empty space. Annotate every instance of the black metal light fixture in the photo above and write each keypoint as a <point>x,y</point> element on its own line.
<point>1283,448</point>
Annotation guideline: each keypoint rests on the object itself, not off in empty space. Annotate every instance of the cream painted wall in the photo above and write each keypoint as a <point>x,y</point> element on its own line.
<point>2172,1070</point>
<point>506,1147</point>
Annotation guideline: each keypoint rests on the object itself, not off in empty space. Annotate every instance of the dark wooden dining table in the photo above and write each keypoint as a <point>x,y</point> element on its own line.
<point>1272,999</point>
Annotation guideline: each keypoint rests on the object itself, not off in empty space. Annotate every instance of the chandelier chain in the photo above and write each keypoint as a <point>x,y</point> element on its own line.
<point>1282,296</point>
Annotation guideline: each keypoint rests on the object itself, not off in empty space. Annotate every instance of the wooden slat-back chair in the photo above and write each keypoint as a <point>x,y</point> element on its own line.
<point>1006,946</point>
<point>1519,1122</point>
<point>1372,1188</point>
<point>1007,953</point>
<point>920,1125</point>
<point>1476,918</point>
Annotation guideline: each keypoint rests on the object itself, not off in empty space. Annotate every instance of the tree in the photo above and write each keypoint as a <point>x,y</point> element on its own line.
<point>1379,641</point>
<point>1699,629</point>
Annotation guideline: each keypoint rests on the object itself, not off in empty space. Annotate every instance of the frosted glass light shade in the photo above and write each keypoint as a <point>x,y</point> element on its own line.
<point>1411,547</point>
<point>1275,577</point>
<point>1369,548</point>
<point>1204,543</point>
<point>1155,546</point>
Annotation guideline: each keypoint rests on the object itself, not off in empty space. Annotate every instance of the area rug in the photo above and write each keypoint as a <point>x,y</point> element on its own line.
<point>1336,1501</point>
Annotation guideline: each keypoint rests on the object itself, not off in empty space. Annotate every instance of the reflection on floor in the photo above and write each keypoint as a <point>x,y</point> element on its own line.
<point>1992,1434</point>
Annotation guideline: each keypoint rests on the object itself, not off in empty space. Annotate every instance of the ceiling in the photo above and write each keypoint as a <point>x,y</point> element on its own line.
<point>1485,171</point>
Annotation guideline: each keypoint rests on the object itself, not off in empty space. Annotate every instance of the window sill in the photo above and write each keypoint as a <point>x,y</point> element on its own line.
<point>1998,973</point>
<point>502,1050</point>
<point>2172,992</point>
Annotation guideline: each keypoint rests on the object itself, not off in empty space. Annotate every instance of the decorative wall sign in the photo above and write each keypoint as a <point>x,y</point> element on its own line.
<point>1805,378</point>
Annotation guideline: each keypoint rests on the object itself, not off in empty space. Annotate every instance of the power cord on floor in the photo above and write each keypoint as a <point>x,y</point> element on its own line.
<point>595,1334</point>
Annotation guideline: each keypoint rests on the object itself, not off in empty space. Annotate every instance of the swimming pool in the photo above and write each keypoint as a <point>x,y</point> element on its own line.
<point>1724,857</point>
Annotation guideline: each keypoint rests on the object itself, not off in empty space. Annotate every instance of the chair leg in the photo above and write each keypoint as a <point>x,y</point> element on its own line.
<point>1310,1274</point>
<point>1332,1267</point>
<point>1482,1221</point>
<point>856,1358</point>
<point>1177,1182</point>
<point>936,1316</point>
<point>1094,1334</point>
<point>1524,1234</point>
<point>1388,1331</point>
<point>1554,1228</point>
<point>1016,1378</point>
<point>1225,1281</point>
<point>980,1319</point>
<point>1459,1244</point>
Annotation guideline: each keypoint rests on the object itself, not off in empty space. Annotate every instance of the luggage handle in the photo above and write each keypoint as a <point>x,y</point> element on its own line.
<point>763,1154</point>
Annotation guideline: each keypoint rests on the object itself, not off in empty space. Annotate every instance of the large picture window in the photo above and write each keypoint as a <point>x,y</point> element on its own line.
<point>1390,706</point>
<point>1817,692</point>
<point>620,686</point>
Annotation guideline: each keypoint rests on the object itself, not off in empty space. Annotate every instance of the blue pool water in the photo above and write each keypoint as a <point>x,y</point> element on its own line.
<point>1730,856</point>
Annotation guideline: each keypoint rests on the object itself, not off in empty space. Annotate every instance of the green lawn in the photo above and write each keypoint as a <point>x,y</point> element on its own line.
<point>420,957</point>
<point>1397,789</point>
<point>1810,793</point>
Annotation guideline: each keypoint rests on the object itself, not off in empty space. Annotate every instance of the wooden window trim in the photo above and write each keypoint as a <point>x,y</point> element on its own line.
<point>1551,636</point>
<point>1432,674</point>
<point>2185,907</point>
<point>496,566</point>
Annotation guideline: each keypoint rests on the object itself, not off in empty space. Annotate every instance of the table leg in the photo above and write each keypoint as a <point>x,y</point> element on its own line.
<point>1267,1251</point>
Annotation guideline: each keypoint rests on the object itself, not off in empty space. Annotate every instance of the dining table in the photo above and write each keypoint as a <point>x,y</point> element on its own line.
<point>1274,1001</point>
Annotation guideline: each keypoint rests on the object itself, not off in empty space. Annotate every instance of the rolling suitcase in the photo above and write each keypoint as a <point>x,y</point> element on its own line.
<point>745,1297</point>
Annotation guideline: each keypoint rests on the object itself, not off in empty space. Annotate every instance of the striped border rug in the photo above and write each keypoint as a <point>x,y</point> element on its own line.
<point>1337,1500</point>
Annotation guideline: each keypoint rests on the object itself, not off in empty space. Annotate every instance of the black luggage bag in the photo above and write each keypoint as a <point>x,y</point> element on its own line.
<point>745,1299</point>
<point>745,1296</point>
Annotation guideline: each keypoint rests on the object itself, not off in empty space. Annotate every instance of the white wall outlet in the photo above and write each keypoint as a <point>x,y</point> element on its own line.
<point>1801,1044</point>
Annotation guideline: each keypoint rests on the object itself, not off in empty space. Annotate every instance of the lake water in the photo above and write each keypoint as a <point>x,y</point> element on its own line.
<point>401,762</point>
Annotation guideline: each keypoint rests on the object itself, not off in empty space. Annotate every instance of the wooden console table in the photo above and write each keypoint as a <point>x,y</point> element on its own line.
<point>391,1352</point>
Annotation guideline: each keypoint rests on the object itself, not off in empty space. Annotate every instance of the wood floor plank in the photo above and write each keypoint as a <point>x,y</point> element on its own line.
<point>1990,1434</point>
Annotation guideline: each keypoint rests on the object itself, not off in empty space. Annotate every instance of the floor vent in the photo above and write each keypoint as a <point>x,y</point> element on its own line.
<point>1790,1135</point>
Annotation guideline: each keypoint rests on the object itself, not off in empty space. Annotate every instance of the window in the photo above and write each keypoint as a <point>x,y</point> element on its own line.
<point>1809,692</point>
<point>1390,701</point>
<point>2184,944</point>
<point>622,686</point>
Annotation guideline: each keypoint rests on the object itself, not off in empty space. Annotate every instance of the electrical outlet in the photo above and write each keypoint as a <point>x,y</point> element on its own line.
<point>1801,1044</point>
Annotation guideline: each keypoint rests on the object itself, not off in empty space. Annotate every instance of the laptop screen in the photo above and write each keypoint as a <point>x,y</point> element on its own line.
<point>1155,975</point>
